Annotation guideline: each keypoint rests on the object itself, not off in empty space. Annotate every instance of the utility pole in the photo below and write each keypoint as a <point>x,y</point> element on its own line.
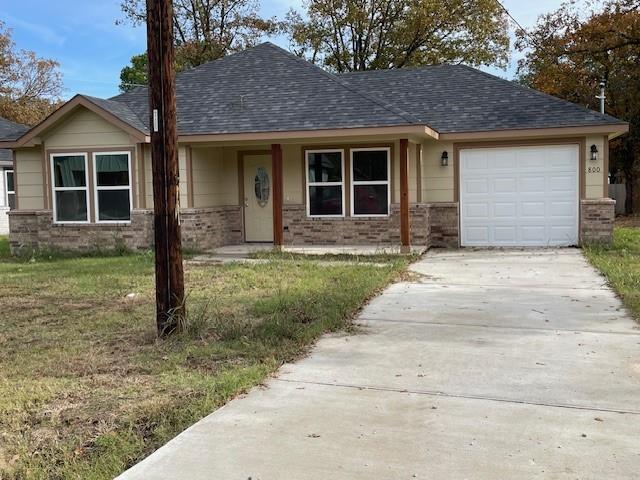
<point>170,302</point>
<point>602,96</point>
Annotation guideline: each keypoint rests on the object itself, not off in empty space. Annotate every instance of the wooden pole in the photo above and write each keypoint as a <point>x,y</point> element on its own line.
<point>405,228</point>
<point>170,306</point>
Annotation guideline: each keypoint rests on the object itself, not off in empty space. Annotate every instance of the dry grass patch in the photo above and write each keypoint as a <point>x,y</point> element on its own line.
<point>86,390</point>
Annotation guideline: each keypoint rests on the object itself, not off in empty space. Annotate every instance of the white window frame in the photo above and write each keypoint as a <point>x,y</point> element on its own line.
<point>55,189</point>
<point>386,182</point>
<point>8,192</point>
<point>324,184</point>
<point>97,188</point>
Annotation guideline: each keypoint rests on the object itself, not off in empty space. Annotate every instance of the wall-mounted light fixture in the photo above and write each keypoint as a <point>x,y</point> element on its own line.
<point>444,159</point>
<point>594,153</point>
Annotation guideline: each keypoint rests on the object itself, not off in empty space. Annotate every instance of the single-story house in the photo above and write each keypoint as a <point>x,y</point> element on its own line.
<point>275,149</point>
<point>8,129</point>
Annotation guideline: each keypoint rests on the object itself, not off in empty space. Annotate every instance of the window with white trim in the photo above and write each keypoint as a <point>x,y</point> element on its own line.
<point>370,185</point>
<point>325,183</point>
<point>11,189</point>
<point>112,182</point>
<point>70,188</point>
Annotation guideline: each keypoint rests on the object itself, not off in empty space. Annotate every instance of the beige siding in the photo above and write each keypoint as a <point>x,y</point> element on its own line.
<point>148,177</point>
<point>215,176</point>
<point>84,129</point>
<point>29,179</point>
<point>292,171</point>
<point>594,170</point>
<point>437,182</point>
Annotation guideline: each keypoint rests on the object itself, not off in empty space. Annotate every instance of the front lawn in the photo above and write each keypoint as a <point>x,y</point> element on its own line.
<point>86,390</point>
<point>620,264</point>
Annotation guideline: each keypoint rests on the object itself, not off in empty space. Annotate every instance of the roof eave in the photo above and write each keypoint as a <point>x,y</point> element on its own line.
<point>421,131</point>
<point>612,130</point>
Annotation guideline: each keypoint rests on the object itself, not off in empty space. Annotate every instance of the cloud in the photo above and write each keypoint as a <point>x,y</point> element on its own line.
<point>43,32</point>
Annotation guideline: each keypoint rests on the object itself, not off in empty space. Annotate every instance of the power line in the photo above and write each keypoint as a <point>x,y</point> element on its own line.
<point>514,20</point>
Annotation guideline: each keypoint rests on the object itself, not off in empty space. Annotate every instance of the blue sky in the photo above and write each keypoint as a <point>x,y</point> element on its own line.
<point>92,49</point>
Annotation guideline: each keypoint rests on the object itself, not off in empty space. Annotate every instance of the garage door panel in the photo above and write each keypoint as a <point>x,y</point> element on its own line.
<point>561,209</point>
<point>505,234</point>
<point>531,158</point>
<point>475,211</point>
<point>564,183</point>
<point>477,234</point>
<point>533,209</point>
<point>532,184</point>
<point>476,161</point>
<point>515,196</point>
<point>505,185</point>
<point>477,185</point>
<point>505,210</point>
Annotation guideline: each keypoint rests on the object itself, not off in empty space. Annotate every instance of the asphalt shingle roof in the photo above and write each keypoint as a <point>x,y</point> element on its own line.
<point>457,98</point>
<point>266,89</point>
<point>122,111</point>
<point>9,131</point>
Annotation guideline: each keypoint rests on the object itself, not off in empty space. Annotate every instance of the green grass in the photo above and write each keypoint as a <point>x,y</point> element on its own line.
<point>86,389</point>
<point>620,264</point>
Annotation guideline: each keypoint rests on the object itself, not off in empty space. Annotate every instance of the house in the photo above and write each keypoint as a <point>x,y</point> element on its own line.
<point>275,149</point>
<point>7,189</point>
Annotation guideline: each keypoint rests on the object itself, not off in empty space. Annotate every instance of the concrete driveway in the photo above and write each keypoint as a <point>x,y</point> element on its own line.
<point>489,365</point>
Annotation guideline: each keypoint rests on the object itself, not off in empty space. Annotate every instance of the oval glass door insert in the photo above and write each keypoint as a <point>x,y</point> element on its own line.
<point>262,186</point>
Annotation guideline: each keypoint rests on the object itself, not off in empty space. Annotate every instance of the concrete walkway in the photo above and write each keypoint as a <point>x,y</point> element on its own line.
<point>490,365</point>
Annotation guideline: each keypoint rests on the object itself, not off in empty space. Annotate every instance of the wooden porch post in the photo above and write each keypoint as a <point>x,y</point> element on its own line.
<point>405,228</point>
<point>276,160</point>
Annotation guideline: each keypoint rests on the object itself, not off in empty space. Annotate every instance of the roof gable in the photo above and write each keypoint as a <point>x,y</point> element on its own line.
<point>266,89</point>
<point>457,98</point>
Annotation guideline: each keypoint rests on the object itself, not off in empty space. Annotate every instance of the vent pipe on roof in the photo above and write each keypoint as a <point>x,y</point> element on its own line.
<point>602,96</point>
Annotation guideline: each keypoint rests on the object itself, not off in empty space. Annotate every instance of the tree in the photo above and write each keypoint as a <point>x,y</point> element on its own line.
<point>30,86</point>
<point>570,50</point>
<point>204,30</point>
<point>135,74</point>
<point>349,35</point>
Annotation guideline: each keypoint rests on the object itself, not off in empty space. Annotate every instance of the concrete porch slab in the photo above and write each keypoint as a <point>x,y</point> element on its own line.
<point>246,249</point>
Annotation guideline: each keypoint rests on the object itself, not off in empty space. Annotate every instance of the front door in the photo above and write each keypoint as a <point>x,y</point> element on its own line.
<point>258,195</point>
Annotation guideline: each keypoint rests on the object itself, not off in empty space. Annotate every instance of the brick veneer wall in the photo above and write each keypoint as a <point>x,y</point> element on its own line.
<point>208,228</point>
<point>597,217</point>
<point>302,230</point>
<point>444,222</point>
<point>202,229</point>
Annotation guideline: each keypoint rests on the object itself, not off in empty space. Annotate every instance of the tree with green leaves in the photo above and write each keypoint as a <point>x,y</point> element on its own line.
<point>571,50</point>
<point>350,35</point>
<point>204,30</point>
<point>30,86</point>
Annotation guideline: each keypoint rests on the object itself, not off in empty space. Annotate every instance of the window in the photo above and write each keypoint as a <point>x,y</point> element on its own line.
<point>325,183</point>
<point>11,189</point>
<point>112,187</point>
<point>370,181</point>
<point>70,188</point>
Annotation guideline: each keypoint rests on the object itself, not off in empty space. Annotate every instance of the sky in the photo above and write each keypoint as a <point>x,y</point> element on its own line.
<point>82,35</point>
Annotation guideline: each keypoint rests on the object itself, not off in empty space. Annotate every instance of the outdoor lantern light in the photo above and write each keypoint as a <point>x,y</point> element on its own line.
<point>594,153</point>
<point>444,160</point>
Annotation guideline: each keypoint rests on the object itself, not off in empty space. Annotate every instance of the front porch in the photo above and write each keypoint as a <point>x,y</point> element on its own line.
<point>301,195</point>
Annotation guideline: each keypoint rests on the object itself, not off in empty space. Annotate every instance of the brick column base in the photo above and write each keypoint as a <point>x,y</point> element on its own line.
<point>444,225</point>
<point>597,217</point>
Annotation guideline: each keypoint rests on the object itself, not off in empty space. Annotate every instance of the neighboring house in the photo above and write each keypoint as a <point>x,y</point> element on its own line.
<point>7,182</point>
<point>274,149</point>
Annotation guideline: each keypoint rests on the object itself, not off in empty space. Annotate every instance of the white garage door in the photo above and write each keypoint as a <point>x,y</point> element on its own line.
<point>519,196</point>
